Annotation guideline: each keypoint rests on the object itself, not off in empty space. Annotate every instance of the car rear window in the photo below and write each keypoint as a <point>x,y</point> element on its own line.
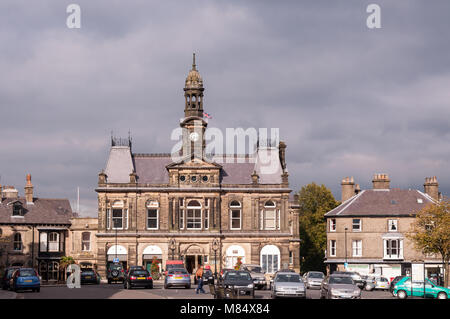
<point>27,273</point>
<point>254,269</point>
<point>344,280</point>
<point>235,276</point>
<point>140,273</point>
<point>178,271</point>
<point>288,278</point>
<point>87,272</point>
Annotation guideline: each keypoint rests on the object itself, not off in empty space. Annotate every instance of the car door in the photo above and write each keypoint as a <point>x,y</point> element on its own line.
<point>324,288</point>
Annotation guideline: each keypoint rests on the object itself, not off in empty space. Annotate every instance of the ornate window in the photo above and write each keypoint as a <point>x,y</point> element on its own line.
<point>53,241</point>
<point>270,259</point>
<point>119,216</point>
<point>393,248</point>
<point>270,217</point>
<point>194,215</point>
<point>235,215</point>
<point>86,241</point>
<point>152,214</point>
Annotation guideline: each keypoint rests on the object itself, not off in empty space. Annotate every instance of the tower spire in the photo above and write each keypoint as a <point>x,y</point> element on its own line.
<point>193,61</point>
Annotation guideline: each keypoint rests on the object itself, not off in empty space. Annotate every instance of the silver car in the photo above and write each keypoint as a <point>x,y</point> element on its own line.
<point>288,284</point>
<point>259,280</point>
<point>313,279</point>
<point>339,287</point>
<point>177,278</point>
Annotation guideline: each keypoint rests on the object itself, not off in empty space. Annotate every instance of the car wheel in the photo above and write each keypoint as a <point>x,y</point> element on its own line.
<point>402,294</point>
<point>109,281</point>
<point>442,295</point>
<point>38,289</point>
<point>165,286</point>
<point>188,287</point>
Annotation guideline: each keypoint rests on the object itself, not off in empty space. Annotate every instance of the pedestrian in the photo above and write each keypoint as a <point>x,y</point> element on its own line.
<point>199,277</point>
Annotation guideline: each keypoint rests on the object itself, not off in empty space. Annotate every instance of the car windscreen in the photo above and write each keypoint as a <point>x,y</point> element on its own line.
<point>140,273</point>
<point>26,273</point>
<point>116,267</point>
<point>238,276</point>
<point>315,275</point>
<point>288,278</point>
<point>341,280</point>
<point>254,269</point>
<point>208,272</point>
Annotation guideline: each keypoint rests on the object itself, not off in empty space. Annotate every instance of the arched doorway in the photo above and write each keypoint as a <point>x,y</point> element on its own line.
<point>232,254</point>
<point>117,252</point>
<point>194,256</point>
<point>270,259</point>
<point>151,252</point>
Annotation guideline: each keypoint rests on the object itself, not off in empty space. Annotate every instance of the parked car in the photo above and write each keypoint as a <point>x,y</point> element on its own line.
<point>288,284</point>
<point>381,283</point>
<point>313,279</point>
<point>208,277</point>
<point>259,280</point>
<point>177,277</point>
<point>138,278</point>
<point>393,282</point>
<point>7,276</point>
<point>337,286</point>
<point>402,289</point>
<point>241,282</point>
<point>25,278</point>
<point>223,272</point>
<point>173,264</point>
<point>89,276</point>
<point>369,282</point>
<point>355,276</point>
<point>134,268</point>
<point>272,276</point>
<point>115,273</point>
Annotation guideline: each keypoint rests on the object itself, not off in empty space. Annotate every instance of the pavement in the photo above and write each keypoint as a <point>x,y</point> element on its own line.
<point>116,291</point>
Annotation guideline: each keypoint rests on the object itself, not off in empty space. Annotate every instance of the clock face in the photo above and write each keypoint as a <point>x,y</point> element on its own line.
<point>194,136</point>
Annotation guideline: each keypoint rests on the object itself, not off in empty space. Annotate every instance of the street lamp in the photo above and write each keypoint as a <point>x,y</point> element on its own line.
<point>172,247</point>
<point>215,247</point>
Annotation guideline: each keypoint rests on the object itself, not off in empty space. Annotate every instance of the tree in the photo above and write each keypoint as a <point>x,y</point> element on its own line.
<point>65,261</point>
<point>430,233</point>
<point>314,201</point>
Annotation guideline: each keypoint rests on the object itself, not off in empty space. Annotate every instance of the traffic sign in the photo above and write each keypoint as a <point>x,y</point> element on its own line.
<point>116,260</point>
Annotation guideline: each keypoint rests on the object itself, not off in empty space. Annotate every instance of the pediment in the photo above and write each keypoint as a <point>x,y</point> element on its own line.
<point>194,163</point>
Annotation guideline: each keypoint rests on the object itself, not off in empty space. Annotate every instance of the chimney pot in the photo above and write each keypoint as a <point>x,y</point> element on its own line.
<point>29,190</point>
<point>381,181</point>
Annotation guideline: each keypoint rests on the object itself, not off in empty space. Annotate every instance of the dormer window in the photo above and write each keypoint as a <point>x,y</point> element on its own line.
<point>17,209</point>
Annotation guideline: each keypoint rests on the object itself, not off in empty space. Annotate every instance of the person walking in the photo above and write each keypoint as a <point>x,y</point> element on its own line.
<point>199,277</point>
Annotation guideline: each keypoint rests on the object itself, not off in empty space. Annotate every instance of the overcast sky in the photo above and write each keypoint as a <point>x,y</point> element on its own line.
<point>349,100</point>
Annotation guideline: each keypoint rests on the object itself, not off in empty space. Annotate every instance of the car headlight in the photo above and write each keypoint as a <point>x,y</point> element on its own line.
<point>250,286</point>
<point>335,292</point>
<point>356,292</point>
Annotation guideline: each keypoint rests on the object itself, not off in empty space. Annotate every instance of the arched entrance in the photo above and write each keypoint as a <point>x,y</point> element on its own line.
<point>232,254</point>
<point>194,256</point>
<point>119,252</point>
<point>270,258</point>
<point>151,252</point>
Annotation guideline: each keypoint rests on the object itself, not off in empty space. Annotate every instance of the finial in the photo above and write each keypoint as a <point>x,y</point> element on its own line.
<point>193,61</point>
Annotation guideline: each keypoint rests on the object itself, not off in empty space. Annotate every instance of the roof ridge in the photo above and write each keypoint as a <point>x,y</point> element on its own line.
<point>348,202</point>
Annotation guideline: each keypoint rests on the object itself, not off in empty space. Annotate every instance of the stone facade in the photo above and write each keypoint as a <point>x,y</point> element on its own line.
<point>150,205</point>
<point>368,230</point>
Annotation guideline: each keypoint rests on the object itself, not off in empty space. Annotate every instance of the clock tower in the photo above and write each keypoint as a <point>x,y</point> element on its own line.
<point>193,124</point>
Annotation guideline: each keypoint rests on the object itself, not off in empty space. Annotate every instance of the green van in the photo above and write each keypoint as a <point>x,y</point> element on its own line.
<point>402,289</point>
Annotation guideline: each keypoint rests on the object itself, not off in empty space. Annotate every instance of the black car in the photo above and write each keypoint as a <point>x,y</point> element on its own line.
<point>138,278</point>
<point>240,282</point>
<point>7,276</point>
<point>134,268</point>
<point>115,273</point>
<point>393,282</point>
<point>208,277</point>
<point>88,276</point>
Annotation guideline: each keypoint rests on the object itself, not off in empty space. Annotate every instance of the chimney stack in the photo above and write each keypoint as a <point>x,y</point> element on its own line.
<point>29,190</point>
<point>1,193</point>
<point>431,187</point>
<point>381,181</point>
<point>348,188</point>
<point>10,192</point>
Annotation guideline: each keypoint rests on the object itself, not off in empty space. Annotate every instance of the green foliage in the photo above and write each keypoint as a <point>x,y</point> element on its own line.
<point>66,261</point>
<point>314,202</point>
<point>430,232</point>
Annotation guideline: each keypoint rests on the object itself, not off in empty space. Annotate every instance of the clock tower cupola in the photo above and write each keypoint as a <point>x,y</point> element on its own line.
<point>193,92</point>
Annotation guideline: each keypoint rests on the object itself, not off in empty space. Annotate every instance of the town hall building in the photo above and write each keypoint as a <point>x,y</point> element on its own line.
<point>200,208</point>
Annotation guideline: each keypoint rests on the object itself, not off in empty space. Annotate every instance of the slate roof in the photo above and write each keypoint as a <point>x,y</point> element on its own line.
<point>43,211</point>
<point>382,202</point>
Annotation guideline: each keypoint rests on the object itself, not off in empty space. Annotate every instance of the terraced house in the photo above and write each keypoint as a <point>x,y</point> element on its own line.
<point>34,231</point>
<point>367,231</point>
<point>201,208</point>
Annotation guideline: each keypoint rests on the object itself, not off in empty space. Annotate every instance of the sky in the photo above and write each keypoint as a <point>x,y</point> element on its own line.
<point>348,100</point>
